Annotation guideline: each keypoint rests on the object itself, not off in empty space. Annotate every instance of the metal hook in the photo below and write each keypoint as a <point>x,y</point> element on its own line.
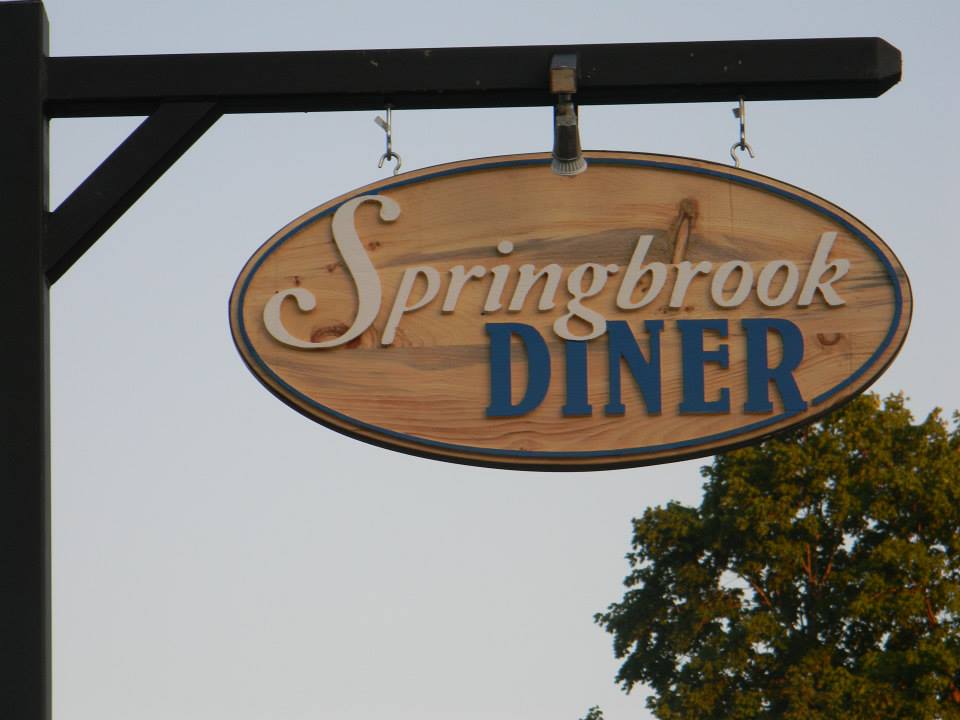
<point>741,114</point>
<point>387,126</point>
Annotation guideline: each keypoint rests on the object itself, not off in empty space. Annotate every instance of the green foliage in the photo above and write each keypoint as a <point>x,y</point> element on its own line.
<point>594,713</point>
<point>818,579</point>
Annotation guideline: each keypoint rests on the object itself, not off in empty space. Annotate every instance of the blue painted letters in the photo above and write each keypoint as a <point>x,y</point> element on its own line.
<point>759,375</point>
<point>645,371</point>
<point>538,369</point>
<point>694,357</point>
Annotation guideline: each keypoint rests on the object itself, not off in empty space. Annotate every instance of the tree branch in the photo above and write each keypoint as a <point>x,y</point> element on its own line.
<point>808,565</point>
<point>759,591</point>
<point>931,615</point>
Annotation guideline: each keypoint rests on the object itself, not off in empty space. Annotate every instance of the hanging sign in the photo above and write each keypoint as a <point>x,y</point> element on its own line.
<point>490,312</point>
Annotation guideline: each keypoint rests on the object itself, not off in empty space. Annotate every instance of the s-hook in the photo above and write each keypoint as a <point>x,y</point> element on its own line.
<point>387,126</point>
<point>741,114</point>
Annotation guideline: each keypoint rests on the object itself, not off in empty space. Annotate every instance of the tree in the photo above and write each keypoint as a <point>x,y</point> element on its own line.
<point>818,579</point>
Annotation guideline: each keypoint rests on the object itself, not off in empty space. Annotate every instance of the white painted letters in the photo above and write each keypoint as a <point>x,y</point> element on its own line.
<point>575,308</point>
<point>720,280</point>
<point>767,275</point>
<point>636,270</point>
<point>818,267</point>
<point>358,265</point>
<point>776,284</point>
<point>400,306</point>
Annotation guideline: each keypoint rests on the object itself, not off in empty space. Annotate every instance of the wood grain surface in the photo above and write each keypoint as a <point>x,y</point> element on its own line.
<point>428,391</point>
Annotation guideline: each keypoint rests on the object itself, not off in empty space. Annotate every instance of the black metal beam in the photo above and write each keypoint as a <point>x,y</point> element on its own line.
<point>121,179</point>
<point>474,77</point>
<point>24,370</point>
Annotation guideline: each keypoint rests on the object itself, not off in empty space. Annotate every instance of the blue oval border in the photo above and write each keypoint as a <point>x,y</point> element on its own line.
<point>559,454</point>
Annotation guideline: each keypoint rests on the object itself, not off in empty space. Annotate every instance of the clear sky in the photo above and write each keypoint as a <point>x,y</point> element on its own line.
<point>218,556</point>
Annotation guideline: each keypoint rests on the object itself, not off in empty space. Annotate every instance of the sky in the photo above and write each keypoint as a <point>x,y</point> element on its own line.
<point>217,555</point>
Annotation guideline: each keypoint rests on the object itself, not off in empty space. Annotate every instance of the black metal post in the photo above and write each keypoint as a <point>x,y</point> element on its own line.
<point>24,369</point>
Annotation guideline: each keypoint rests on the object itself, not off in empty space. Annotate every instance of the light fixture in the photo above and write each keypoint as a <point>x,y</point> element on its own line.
<point>567,156</point>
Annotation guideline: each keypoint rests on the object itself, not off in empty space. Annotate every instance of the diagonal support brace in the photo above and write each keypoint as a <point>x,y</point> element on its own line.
<point>121,179</point>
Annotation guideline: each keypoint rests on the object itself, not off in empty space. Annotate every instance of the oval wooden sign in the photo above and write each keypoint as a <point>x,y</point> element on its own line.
<point>490,312</point>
